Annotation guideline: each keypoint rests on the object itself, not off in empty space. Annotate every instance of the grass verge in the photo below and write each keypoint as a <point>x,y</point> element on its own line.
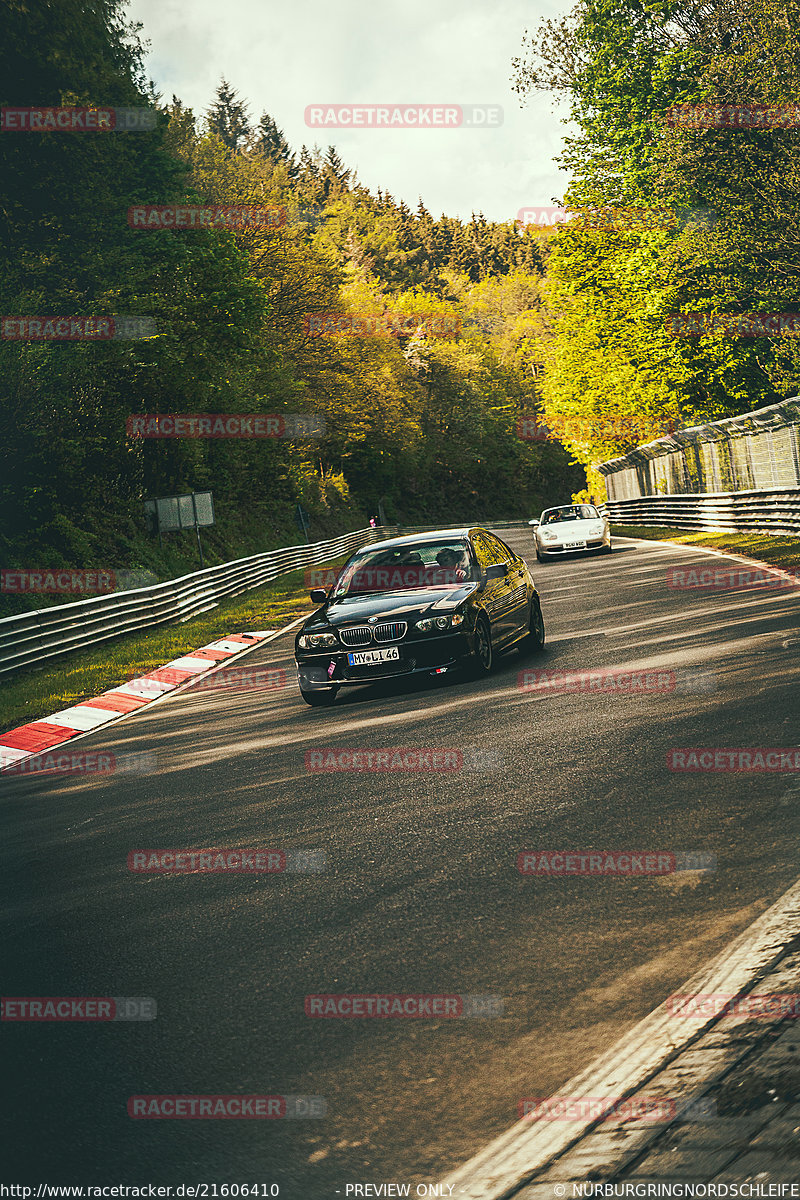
<point>776,551</point>
<point>35,692</point>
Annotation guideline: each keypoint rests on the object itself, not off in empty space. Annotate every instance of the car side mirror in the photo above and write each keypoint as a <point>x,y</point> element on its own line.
<point>318,595</point>
<point>496,571</point>
<point>533,523</point>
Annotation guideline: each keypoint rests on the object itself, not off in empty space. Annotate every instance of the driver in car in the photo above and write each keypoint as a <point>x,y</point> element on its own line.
<point>453,567</point>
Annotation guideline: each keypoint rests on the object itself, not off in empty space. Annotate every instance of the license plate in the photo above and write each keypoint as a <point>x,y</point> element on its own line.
<point>574,545</point>
<point>365,658</point>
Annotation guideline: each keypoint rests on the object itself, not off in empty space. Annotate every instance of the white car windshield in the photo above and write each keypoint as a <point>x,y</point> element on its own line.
<point>570,512</point>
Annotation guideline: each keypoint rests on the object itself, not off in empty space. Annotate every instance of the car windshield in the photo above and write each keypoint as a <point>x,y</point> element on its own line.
<point>404,568</point>
<point>570,512</point>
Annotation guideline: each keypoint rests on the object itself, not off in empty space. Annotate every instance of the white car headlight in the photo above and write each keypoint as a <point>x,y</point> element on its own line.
<point>550,537</point>
<point>317,641</point>
<point>438,624</point>
<point>597,527</point>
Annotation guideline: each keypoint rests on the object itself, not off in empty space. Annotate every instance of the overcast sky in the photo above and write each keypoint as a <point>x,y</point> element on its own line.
<point>284,57</point>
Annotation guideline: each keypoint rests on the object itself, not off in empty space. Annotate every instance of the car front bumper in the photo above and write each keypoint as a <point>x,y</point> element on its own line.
<point>419,656</point>
<point>558,551</point>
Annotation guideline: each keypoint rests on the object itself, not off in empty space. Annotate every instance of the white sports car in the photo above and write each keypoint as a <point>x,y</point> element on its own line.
<point>571,529</point>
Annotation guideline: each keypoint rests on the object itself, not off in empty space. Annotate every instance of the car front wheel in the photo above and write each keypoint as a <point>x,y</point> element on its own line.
<point>483,655</point>
<point>534,642</point>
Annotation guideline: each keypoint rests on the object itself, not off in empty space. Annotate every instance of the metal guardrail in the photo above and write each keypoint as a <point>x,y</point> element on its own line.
<point>33,637</point>
<point>759,449</point>
<point>402,530</point>
<point>775,511</point>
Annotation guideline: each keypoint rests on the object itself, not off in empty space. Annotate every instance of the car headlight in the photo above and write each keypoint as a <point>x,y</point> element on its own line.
<point>598,527</point>
<point>317,641</point>
<point>550,537</point>
<point>429,624</point>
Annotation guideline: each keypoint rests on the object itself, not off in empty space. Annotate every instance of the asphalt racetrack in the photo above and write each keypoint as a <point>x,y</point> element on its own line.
<point>422,891</point>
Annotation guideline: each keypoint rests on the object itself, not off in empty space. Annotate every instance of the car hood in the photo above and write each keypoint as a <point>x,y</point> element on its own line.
<point>391,606</point>
<point>565,528</point>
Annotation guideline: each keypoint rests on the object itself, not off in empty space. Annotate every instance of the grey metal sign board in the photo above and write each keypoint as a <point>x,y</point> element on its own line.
<point>186,511</point>
<point>178,512</point>
<point>168,513</point>
<point>204,507</point>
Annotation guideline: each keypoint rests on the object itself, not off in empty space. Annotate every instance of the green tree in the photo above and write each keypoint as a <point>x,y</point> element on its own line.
<point>228,117</point>
<point>270,140</point>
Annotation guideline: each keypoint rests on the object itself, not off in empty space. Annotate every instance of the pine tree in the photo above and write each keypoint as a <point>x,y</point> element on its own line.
<point>269,140</point>
<point>181,132</point>
<point>334,166</point>
<point>307,169</point>
<point>228,117</point>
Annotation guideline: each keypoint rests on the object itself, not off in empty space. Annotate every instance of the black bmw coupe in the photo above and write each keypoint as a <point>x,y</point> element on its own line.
<point>428,603</point>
